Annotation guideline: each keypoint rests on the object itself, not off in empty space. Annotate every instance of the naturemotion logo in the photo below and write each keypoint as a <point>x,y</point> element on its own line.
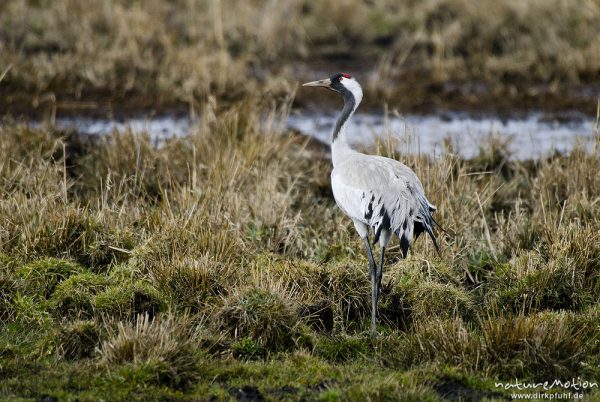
<point>575,384</point>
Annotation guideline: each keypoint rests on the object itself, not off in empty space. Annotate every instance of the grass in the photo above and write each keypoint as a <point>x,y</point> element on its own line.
<point>115,56</point>
<point>217,265</point>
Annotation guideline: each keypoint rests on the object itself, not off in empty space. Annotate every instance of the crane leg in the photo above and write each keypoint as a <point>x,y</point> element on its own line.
<point>380,273</point>
<point>373,275</point>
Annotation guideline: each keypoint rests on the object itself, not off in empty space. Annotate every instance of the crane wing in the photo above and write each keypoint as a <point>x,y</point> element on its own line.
<point>385,195</point>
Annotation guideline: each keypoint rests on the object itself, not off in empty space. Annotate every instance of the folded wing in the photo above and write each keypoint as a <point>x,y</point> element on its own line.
<point>385,195</point>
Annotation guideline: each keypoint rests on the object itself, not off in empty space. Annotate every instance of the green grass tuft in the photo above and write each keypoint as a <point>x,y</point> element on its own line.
<point>41,277</point>
<point>248,349</point>
<point>74,297</point>
<point>343,348</point>
<point>128,300</point>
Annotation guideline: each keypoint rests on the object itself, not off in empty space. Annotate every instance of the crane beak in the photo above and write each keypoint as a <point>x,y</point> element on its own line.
<point>321,83</point>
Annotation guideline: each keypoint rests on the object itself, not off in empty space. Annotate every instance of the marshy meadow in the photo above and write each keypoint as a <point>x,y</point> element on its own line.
<point>216,265</point>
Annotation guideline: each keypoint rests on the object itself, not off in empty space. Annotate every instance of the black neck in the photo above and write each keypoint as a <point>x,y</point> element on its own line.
<point>349,104</point>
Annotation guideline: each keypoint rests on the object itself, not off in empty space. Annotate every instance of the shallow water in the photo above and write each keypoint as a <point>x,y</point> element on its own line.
<point>531,136</point>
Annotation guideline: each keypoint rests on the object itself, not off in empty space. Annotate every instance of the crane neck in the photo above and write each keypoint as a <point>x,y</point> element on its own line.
<point>350,105</point>
<point>339,143</point>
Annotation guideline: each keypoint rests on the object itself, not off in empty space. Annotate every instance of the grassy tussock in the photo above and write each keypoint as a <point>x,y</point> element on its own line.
<point>222,255</point>
<point>547,344</point>
<point>166,344</point>
<point>78,339</point>
<point>264,313</point>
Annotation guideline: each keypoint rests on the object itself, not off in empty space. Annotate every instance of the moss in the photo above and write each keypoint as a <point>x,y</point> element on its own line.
<point>30,310</point>
<point>128,300</point>
<point>28,342</point>
<point>74,297</point>
<point>125,273</point>
<point>41,277</point>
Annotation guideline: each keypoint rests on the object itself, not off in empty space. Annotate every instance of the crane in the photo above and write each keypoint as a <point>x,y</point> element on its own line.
<point>376,192</point>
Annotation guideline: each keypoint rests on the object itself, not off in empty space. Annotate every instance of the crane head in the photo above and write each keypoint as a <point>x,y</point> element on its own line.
<point>335,83</point>
<point>341,83</point>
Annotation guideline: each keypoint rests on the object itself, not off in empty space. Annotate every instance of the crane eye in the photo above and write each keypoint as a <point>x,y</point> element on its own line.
<point>346,75</point>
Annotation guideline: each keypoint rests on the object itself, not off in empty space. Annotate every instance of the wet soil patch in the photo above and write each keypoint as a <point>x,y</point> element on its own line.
<point>453,390</point>
<point>247,393</point>
<point>413,91</point>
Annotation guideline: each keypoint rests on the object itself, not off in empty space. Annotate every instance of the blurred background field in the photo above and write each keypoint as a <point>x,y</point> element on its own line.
<point>167,54</point>
<point>214,264</point>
